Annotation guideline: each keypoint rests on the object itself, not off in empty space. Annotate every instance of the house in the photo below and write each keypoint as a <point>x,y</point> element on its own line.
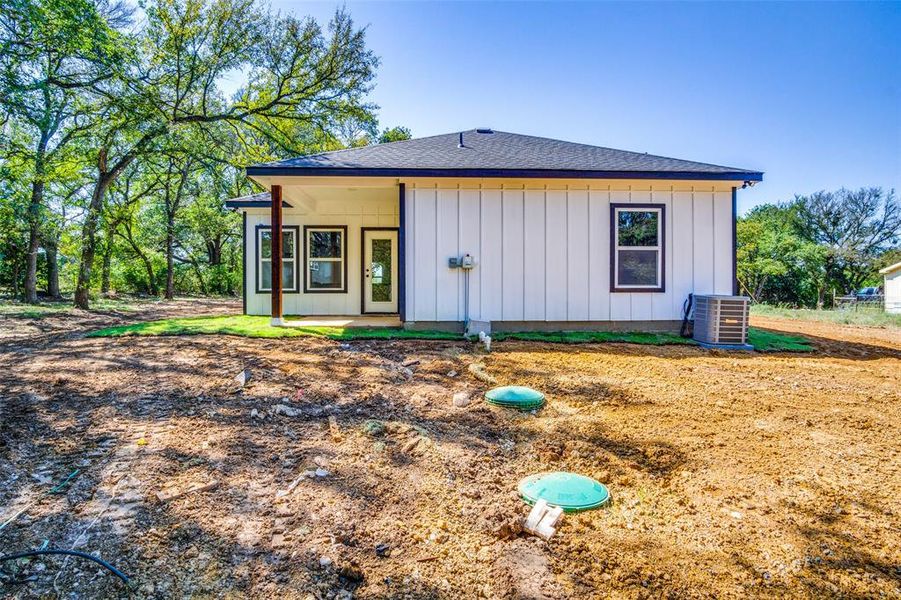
<point>892,288</point>
<point>522,231</point>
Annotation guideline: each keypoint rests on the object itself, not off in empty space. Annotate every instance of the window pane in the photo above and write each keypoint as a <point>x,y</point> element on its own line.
<point>266,244</point>
<point>638,228</point>
<point>637,267</point>
<point>288,275</point>
<point>266,275</point>
<point>288,243</point>
<point>325,244</point>
<point>325,275</point>
<point>381,270</point>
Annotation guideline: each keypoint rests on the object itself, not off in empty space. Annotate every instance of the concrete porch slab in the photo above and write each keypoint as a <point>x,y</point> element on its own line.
<point>343,321</point>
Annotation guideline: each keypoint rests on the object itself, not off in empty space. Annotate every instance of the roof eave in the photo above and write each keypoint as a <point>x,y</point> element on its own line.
<point>277,170</point>
<point>252,204</point>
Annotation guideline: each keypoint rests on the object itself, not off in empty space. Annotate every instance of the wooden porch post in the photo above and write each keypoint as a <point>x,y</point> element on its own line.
<point>276,221</point>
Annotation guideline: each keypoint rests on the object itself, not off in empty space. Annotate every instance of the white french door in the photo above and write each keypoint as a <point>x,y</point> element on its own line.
<point>379,270</point>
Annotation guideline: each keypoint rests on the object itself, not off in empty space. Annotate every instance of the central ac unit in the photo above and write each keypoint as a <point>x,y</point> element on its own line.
<point>722,321</point>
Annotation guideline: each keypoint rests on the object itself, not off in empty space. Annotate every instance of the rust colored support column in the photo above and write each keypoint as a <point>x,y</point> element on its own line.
<point>276,222</point>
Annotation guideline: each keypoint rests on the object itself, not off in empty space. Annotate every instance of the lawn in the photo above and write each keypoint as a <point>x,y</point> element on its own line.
<point>865,317</point>
<point>259,327</point>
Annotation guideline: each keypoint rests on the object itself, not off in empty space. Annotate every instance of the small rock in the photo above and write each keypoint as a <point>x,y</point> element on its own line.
<point>243,377</point>
<point>411,445</point>
<point>736,515</point>
<point>254,414</point>
<point>461,399</point>
<point>452,373</point>
<point>320,472</point>
<point>281,409</point>
<point>320,461</point>
<point>325,562</point>
<point>383,550</point>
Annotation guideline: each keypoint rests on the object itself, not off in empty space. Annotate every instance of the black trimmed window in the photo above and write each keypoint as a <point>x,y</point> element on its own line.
<point>637,247</point>
<point>325,253</point>
<point>289,259</point>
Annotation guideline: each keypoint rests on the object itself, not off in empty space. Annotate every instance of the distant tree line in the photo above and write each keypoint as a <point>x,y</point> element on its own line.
<point>118,144</point>
<point>802,252</point>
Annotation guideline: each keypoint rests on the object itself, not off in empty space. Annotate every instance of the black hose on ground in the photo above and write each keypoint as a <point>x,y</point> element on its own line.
<point>686,312</point>
<point>99,561</point>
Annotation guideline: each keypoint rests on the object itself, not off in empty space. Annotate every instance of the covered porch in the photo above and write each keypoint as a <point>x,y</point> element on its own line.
<point>341,247</point>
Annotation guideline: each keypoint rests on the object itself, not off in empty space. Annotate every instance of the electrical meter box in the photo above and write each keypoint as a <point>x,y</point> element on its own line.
<point>466,261</point>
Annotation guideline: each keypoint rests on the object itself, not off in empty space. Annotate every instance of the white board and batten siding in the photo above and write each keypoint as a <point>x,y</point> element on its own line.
<point>542,249</point>
<point>892,291</point>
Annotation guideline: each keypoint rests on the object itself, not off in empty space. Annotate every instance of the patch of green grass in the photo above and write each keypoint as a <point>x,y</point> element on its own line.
<point>865,317</point>
<point>583,337</point>
<point>772,341</point>
<point>259,327</point>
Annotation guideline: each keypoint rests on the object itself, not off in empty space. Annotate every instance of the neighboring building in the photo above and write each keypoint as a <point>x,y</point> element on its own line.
<point>560,235</point>
<point>892,288</point>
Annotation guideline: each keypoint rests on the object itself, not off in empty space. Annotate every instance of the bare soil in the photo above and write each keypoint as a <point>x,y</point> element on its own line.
<point>732,474</point>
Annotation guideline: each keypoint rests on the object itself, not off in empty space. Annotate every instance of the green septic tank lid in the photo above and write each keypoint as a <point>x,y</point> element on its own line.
<point>515,396</point>
<point>569,491</point>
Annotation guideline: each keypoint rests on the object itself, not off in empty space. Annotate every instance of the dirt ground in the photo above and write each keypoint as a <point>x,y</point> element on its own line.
<point>732,474</point>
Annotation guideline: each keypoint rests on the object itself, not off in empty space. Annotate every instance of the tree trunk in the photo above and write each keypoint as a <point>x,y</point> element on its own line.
<point>151,278</point>
<point>170,260</point>
<point>34,222</point>
<point>89,242</point>
<point>51,244</point>
<point>214,252</point>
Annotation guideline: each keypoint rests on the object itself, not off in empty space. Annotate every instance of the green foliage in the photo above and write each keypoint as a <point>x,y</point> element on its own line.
<point>125,126</point>
<point>799,252</point>
<point>395,134</point>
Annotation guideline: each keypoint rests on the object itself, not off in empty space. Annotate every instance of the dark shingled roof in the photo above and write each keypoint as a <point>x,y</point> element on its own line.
<point>487,153</point>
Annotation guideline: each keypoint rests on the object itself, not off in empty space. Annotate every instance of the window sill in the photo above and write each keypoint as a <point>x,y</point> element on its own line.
<point>654,290</point>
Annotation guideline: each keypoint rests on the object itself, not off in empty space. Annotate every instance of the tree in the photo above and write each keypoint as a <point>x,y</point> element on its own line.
<point>395,134</point>
<point>297,75</point>
<point>854,227</point>
<point>51,51</point>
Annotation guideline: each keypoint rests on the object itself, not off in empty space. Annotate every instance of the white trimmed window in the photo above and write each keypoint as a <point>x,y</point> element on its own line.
<point>637,248</point>
<point>289,259</point>
<point>325,252</point>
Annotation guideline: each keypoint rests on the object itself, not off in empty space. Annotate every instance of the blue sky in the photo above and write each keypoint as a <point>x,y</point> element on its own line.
<point>809,93</point>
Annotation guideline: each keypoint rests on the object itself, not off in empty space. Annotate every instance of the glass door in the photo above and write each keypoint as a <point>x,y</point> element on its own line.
<point>379,270</point>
